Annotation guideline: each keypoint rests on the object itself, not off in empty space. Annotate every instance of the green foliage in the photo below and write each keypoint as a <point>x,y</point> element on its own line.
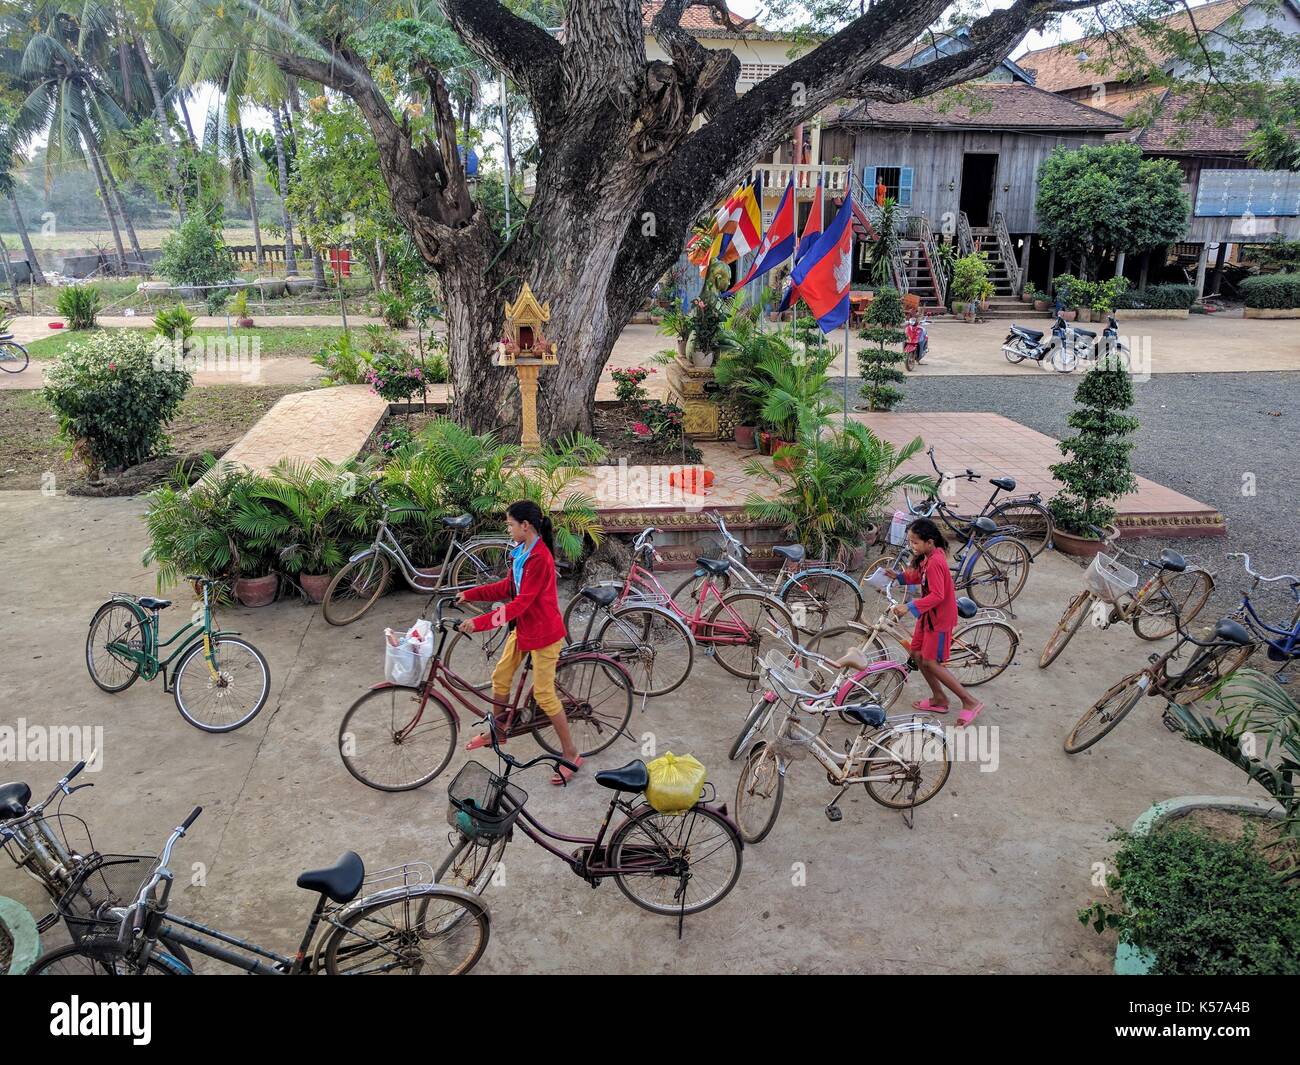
<point>739,371</point>
<point>215,301</point>
<point>1276,291</point>
<point>1159,297</point>
<point>1073,292</point>
<point>1097,467</point>
<point>885,245</point>
<point>674,322</point>
<point>394,376</point>
<point>1202,906</point>
<point>175,323</point>
<point>79,304</point>
<point>706,324</point>
<point>343,361</point>
<point>1105,293</point>
<point>113,396</point>
<point>879,359</point>
<point>192,529</point>
<point>1272,147</point>
<point>970,279</point>
<point>196,255</point>
<point>239,305</point>
<point>394,310</point>
<point>1279,254</point>
<point>436,369</point>
<point>790,390</point>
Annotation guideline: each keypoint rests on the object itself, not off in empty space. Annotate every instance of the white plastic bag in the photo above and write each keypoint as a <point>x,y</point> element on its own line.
<point>407,655</point>
<point>898,528</point>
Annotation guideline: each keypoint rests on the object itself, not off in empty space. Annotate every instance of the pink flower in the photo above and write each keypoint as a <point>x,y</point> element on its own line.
<point>640,428</point>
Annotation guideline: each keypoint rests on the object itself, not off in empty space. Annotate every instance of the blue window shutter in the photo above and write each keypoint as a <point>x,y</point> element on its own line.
<point>869,182</point>
<point>905,187</point>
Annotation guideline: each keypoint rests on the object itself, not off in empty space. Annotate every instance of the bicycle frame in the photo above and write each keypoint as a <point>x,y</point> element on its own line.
<point>388,544</point>
<point>641,583</point>
<point>146,657</point>
<point>841,766</point>
<point>1288,643</point>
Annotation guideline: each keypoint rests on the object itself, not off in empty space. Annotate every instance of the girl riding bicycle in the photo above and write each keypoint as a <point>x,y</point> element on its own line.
<point>532,611</point>
<point>935,610</point>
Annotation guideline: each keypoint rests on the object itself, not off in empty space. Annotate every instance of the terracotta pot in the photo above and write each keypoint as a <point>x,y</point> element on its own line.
<point>257,591</point>
<point>852,558</point>
<point>1076,546</point>
<point>1040,305</point>
<point>315,584</point>
<point>1069,316</point>
<point>745,436</point>
<point>244,323</point>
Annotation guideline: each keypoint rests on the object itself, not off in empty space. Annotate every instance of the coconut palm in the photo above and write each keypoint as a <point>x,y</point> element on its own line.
<point>9,158</point>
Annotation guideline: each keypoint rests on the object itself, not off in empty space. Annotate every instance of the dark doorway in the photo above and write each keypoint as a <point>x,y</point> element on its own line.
<point>979,171</point>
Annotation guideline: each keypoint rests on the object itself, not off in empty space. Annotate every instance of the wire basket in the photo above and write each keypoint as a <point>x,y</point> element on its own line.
<point>1108,579</point>
<point>104,881</point>
<point>789,744</point>
<point>783,672</point>
<point>481,803</point>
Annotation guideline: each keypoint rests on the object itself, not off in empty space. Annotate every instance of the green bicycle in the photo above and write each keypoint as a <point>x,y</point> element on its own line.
<point>219,681</point>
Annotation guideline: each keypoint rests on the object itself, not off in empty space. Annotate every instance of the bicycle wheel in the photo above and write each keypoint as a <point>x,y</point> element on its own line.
<point>597,698</point>
<point>821,598</point>
<point>428,929</point>
<point>759,792</point>
<point>388,743</point>
<point>98,957</point>
<point>1206,670</point>
<point>908,768</point>
<point>654,647</point>
<point>1065,629</point>
<point>997,573</point>
<point>484,562</point>
<point>1177,596</point>
<point>472,863</point>
<point>114,622</point>
<point>225,694</point>
<point>981,651</point>
<point>13,357</point>
<point>580,610</point>
<point>676,863</point>
<point>473,656</point>
<point>1106,712</point>
<point>737,630</point>
<point>687,594</point>
<point>755,721</point>
<point>356,588</point>
<point>1029,522</point>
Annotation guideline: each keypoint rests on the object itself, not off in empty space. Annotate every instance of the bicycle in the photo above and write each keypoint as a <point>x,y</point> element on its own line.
<point>408,928</point>
<point>13,356</point>
<point>652,644</point>
<point>1025,517</point>
<point>815,592</point>
<point>366,575</point>
<point>398,738</point>
<point>728,624</point>
<point>888,756</point>
<point>1283,642</point>
<point>220,681</point>
<point>658,860</point>
<point>1217,659</point>
<point>1154,609</point>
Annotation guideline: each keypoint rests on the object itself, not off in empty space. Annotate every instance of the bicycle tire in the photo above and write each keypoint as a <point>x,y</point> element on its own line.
<point>17,364</point>
<point>771,778</point>
<point>374,584</point>
<point>579,609</point>
<point>993,578</point>
<point>575,694</point>
<point>770,610</point>
<point>1124,694</point>
<point>799,591</point>
<point>99,617</point>
<point>754,722</point>
<point>180,683</point>
<point>404,703</point>
<point>472,863</point>
<point>473,924</point>
<point>683,822</point>
<point>1033,528</point>
<point>483,562</point>
<point>964,639</point>
<point>1149,624</point>
<point>96,957</point>
<point>1066,627</point>
<point>473,656</point>
<point>633,633</point>
<point>1206,670</point>
<point>910,735</point>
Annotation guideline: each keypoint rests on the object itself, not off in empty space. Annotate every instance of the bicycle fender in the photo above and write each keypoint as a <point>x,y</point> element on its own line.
<point>225,632</point>
<point>720,810</point>
<point>129,601</point>
<point>367,553</point>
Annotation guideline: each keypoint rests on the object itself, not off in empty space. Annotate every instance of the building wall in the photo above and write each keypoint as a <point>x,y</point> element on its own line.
<point>758,58</point>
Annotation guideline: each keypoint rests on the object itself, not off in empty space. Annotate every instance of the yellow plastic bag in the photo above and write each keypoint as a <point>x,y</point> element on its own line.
<point>675,783</point>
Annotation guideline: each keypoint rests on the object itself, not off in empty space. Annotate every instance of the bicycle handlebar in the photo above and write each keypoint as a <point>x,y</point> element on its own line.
<point>1259,577</point>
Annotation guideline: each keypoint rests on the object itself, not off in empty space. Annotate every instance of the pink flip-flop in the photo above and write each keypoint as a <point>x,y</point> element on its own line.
<point>929,707</point>
<point>485,740</point>
<point>967,716</point>
<point>563,774</point>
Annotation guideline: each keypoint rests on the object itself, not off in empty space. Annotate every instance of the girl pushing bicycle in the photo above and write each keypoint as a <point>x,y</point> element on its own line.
<point>935,610</point>
<point>532,612</point>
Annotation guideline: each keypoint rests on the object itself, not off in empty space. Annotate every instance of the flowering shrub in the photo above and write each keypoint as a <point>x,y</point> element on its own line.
<point>395,439</point>
<point>113,393</point>
<point>395,379</point>
<point>627,383</point>
<point>706,324</point>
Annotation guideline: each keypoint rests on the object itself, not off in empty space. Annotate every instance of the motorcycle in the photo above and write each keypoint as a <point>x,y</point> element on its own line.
<point>1056,350</point>
<point>917,343</point>
<point>1087,346</point>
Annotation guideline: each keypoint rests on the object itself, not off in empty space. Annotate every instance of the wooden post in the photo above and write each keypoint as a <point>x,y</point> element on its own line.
<point>1024,265</point>
<point>1217,279</point>
<point>1142,275</point>
<point>1119,264</point>
<point>1200,270</point>
<point>1051,267</point>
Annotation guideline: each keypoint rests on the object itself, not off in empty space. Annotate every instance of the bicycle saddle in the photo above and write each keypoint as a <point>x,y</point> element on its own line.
<point>340,881</point>
<point>14,799</point>
<point>1007,484</point>
<point>966,608</point>
<point>794,552</point>
<point>1230,631</point>
<point>853,658</point>
<point>150,603</point>
<point>6,336</point>
<point>632,777</point>
<point>985,525</point>
<point>868,714</point>
<point>1172,560</point>
<point>600,596</point>
<point>716,566</point>
<point>457,521</point>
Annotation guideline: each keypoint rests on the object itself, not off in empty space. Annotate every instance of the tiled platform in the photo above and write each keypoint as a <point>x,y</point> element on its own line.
<point>328,423</point>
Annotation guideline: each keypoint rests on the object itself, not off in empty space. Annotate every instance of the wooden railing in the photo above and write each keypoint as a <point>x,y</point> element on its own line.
<point>872,212</point>
<point>965,241</point>
<point>930,251</point>
<point>1008,251</point>
<point>775,177</point>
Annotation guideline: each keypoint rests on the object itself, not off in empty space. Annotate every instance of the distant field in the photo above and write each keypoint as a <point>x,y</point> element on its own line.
<point>64,239</point>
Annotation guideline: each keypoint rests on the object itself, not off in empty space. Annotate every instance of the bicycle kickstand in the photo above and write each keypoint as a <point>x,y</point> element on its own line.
<point>833,812</point>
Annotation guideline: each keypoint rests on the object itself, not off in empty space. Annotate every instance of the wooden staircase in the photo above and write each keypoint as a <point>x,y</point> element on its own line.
<point>1004,272</point>
<point>916,269</point>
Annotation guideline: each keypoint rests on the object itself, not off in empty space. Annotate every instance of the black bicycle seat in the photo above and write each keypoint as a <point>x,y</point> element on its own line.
<point>868,714</point>
<point>150,603</point>
<point>1007,484</point>
<point>716,566</point>
<point>340,881</point>
<point>457,521</point>
<point>632,777</point>
<point>601,596</point>
<point>966,608</point>
<point>14,799</point>
<point>1172,560</point>
<point>1229,631</point>
<point>6,336</point>
<point>985,525</point>
<point>794,552</point>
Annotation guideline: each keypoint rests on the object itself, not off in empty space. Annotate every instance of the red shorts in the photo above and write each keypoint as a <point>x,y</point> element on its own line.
<point>930,645</point>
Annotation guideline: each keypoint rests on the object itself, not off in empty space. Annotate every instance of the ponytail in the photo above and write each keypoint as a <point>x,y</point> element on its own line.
<point>527,510</point>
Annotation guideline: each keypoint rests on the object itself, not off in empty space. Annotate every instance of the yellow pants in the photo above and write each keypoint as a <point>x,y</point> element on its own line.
<point>544,660</point>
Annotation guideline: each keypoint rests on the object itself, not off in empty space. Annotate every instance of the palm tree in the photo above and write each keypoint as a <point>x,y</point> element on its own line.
<point>9,188</point>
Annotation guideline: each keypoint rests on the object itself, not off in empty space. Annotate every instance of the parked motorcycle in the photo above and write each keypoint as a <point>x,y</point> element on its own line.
<point>917,343</point>
<point>1052,349</point>
<point>1087,346</point>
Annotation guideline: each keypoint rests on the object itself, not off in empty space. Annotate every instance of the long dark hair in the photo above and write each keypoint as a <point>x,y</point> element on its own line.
<point>925,529</point>
<point>527,510</point>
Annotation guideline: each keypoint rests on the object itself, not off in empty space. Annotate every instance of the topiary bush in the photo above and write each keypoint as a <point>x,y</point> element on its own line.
<point>79,304</point>
<point>1158,298</point>
<point>175,323</point>
<point>1272,291</point>
<point>878,359</point>
<point>114,392</point>
<point>196,255</point>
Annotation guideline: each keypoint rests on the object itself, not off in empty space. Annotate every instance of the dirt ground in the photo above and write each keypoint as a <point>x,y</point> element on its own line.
<point>988,880</point>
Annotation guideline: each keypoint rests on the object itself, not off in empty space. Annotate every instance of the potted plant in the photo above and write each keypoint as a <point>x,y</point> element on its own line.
<point>1040,299</point>
<point>239,308</point>
<point>970,283</point>
<point>192,530</point>
<point>1097,468</point>
<point>1064,287</point>
<point>1105,294</point>
<point>741,378</point>
<point>706,332</point>
<point>790,391</point>
<point>878,360</point>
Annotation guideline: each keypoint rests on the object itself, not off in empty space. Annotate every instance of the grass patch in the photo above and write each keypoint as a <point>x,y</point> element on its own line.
<point>272,341</point>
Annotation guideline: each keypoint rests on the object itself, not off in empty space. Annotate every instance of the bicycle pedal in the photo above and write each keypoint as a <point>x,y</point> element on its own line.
<point>834,814</point>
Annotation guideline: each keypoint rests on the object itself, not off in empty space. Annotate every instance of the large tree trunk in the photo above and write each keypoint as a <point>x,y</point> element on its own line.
<point>106,200</point>
<point>282,168</point>
<point>26,238</point>
<point>164,130</point>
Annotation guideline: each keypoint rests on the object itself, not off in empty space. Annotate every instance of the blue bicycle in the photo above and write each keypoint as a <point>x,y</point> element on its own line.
<point>1283,644</point>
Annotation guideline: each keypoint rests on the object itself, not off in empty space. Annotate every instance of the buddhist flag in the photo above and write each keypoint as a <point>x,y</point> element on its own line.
<point>778,242</point>
<point>821,278</point>
<point>746,230</point>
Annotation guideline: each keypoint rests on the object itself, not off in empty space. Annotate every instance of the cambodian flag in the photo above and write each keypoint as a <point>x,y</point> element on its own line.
<point>778,241</point>
<point>812,229</point>
<point>821,278</point>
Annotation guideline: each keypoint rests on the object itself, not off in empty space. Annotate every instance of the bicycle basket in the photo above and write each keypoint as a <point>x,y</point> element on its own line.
<point>784,673</point>
<point>105,880</point>
<point>483,804</point>
<point>1108,579</point>
<point>791,745</point>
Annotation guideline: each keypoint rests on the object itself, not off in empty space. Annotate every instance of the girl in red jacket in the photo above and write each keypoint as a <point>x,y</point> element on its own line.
<point>532,610</point>
<point>935,610</point>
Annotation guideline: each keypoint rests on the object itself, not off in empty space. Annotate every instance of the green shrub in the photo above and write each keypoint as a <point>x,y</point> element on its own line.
<point>239,304</point>
<point>878,359</point>
<point>394,310</point>
<point>1105,293</point>
<point>343,362</point>
<point>970,279</point>
<point>1275,291</point>
<point>174,324</point>
<point>395,378</point>
<point>1202,906</point>
<point>114,392</point>
<point>195,255</point>
<point>436,369</point>
<point>1158,297</point>
<point>79,304</point>
<point>215,301</point>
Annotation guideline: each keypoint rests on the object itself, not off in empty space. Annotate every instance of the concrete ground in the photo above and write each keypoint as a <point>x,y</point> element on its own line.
<point>988,881</point>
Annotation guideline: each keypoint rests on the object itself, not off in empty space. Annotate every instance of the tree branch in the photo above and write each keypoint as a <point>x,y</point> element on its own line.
<point>530,56</point>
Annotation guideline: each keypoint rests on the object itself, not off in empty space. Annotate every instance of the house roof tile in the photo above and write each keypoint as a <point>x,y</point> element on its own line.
<point>996,105</point>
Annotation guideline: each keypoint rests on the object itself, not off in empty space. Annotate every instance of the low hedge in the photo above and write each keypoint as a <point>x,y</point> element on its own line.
<point>1274,291</point>
<point>1158,298</point>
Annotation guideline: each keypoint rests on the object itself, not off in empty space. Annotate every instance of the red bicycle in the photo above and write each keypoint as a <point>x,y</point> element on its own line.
<point>398,737</point>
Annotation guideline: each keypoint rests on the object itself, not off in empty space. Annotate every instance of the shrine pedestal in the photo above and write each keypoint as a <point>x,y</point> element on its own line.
<point>695,388</point>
